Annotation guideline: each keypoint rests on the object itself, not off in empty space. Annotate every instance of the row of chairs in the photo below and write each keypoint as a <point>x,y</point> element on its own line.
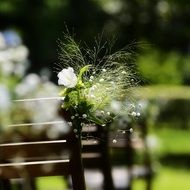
<point>27,156</point>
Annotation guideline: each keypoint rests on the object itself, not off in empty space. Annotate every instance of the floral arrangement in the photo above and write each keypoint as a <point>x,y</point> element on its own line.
<point>91,81</point>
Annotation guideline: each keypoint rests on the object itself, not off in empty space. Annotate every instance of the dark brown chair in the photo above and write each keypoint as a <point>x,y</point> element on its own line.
<point>31,156</point>
<point>129,144</point>
<point>95,152</point>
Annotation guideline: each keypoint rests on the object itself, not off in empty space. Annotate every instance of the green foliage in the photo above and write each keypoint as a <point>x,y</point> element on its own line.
<point>164,68</point>
<point>163,23</point>
<point>166,92</point>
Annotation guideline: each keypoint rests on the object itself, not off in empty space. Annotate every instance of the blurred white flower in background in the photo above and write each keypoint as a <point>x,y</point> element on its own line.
<point>5,100</point>
<point>33,86</point>
<point>12,38</point>
<point>14,82</point>
<point>116,106</point>
<point>13,54</point>
<point>2,41</point>
<point>46,110</point>
<point>28,85</point>
<point>56,130</point>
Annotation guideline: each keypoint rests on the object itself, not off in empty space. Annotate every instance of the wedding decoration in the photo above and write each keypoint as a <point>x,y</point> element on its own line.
<point>92,80</point>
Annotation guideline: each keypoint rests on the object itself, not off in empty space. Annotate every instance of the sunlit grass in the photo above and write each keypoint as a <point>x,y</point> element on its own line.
<point>167,178</point>
<point>50,183</point>
<point>172,140</point>
<point>175,176</point>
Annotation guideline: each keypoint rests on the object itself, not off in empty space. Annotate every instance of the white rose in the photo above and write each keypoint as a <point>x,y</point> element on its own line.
<point>67,78</point>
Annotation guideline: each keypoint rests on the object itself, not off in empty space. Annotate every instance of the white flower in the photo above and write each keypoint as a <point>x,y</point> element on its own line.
<point>67,78</point>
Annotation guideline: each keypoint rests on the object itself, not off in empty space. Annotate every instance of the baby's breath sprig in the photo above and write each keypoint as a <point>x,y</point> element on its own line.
<point>92,79</point>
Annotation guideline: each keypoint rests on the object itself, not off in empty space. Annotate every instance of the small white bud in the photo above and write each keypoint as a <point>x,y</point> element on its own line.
<point>70,124</point>
<point>131,130</point>
<point>92,96</point>
<point>84,115</point>
<point>134,114</point>
<point>75,130</point>
<point>108,113</point>
<point>82,124</point>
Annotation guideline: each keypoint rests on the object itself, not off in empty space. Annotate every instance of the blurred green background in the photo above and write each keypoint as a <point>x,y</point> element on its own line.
<point>157,32</point>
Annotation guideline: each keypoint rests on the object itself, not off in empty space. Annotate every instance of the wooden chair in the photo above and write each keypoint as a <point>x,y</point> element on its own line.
<point>95,152</point>
<point>129,145</point>
<point>31,156</point>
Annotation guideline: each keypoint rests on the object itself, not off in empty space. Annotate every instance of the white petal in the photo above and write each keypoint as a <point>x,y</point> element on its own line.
<point>67,78</point>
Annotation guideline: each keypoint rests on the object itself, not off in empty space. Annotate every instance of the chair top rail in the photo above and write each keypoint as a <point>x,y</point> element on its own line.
<point>32,143</point>
<point>35,163</point>
<point>38,99</point>
<point>39,123</point>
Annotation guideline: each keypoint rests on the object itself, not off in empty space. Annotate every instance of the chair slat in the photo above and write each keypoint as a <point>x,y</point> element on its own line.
<point>35,169</point>
<point>32,155</point>
<point>38,149</point>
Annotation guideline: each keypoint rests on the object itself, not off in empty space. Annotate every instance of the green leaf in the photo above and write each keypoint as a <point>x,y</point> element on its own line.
<point>82,71</point>
<point>96,120</point>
